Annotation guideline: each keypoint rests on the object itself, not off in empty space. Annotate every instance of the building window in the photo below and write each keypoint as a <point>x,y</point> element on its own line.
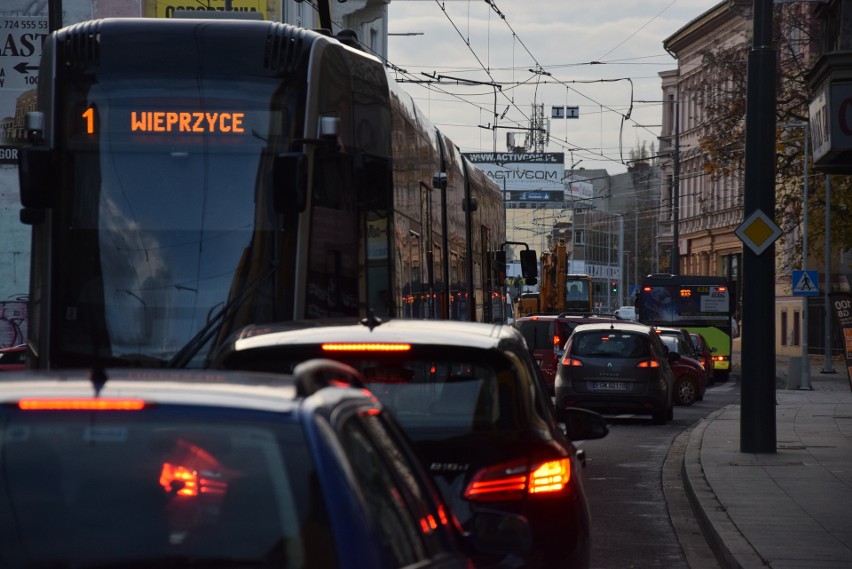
<point>797,328</point>
<point>784,328</point>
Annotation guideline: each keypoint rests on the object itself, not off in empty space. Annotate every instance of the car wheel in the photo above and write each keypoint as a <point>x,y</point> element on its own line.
<point>670,413</point>
<point>686,390</point>
<point>721,376</point>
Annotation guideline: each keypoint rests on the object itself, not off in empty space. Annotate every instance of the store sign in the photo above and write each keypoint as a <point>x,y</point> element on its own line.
<point>831,124</point>
<point>531,171</point>
<point>167,8</point>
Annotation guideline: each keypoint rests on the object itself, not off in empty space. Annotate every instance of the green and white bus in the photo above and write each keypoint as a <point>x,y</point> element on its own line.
<point>698,303</point>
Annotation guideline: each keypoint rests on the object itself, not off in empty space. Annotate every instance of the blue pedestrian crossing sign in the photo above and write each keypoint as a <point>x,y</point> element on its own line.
<point>805,283</point>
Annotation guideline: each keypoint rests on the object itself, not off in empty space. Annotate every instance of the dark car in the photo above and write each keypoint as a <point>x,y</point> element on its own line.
<point>546,334</point>
<point>166,468</point>
<point>469,397</point>
<point>689,373</point>
<point>14,358</point>
<point>704,353</point>
<point>617,367</point>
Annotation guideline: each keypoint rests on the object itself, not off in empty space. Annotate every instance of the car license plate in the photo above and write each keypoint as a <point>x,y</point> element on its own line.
<point>609,386</point>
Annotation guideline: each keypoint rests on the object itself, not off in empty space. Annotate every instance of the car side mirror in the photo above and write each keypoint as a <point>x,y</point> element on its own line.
<point>582,424</point>
<point>673,356</point>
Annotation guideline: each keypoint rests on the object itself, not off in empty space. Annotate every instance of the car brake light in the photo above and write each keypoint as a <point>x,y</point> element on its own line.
<point>364,347</point>
<point>82,404</point>
<point>648,363</point>
<point>720,358</point>
<point>556,340</point>
<point>551,476</point>
<point>571,362</point>
<point>513,480</point>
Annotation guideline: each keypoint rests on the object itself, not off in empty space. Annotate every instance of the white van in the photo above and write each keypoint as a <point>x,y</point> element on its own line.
<point>626,313</point>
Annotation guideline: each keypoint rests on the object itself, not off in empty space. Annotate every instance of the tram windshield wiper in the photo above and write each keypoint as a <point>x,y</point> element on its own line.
<point>183,356</point>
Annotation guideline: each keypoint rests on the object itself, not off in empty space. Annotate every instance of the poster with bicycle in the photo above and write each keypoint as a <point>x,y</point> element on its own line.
<point>13,323</point>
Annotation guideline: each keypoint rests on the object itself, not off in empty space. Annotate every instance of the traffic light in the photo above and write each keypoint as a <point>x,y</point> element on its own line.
<point>613,285</point>
<point>500,266</point>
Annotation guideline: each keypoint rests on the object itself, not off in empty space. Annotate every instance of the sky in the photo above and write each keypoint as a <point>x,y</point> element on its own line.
<point>602,56</point>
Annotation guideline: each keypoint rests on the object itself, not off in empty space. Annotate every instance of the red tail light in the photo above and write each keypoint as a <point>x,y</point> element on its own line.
<point>512,481</point>
<point>571,362</point>
<point>648,363</point>
<point>83,404</point>
<point>365,347</point>
<point>557,341</point>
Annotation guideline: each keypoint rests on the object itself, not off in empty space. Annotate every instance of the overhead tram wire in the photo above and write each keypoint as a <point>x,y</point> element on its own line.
<point>511,102</point>
<point>493,5</point>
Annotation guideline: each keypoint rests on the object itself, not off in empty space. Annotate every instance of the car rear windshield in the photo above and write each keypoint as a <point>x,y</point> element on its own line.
<point>537,333</point>
<point>609,343</point>
<point>146,488</point>
<point>446,398</point>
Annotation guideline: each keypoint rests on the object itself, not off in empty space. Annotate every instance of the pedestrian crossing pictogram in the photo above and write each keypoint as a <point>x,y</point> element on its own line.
<point>805,283</point>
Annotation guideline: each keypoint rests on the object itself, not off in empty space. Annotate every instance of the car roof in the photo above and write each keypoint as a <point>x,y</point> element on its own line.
<point>671,329</point>
<point>422,332</point>
<point>258,391</point>
<point>622,325</point>
<point>567,317</point>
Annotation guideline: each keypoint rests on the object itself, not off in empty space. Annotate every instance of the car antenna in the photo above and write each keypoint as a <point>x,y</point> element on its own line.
<point>98,378</point>
<point>371,321</point>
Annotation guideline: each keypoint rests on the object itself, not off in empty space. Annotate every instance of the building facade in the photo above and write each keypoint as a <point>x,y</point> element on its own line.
<point>699,211</point>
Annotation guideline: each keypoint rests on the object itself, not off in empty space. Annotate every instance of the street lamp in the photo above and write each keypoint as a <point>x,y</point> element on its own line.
<point>805,378</point>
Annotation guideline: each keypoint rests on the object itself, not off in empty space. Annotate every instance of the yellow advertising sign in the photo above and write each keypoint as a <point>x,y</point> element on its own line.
<point>167,8</point>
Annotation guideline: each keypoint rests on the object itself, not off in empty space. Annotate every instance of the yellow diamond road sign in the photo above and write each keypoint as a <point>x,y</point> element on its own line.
<point>758,232</point>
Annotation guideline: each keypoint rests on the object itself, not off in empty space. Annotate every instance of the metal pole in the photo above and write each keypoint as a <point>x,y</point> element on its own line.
<point>805,381</point>
<point>757,389</point>
<point>675,264</point>
<point>620,257</point>
<point>827,367</point>
<point>54,15</point>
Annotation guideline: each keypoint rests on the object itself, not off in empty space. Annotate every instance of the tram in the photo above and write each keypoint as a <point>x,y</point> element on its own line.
<point>186,177</point>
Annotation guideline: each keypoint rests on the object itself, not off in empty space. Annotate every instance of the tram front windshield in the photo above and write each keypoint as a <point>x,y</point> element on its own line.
<point>165,217</point>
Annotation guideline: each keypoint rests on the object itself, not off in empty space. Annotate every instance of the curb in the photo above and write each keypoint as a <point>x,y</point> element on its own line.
<point>731,548</point>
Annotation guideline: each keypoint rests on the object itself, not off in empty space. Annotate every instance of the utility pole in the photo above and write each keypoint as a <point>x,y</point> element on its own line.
<point>757,412</point>
<point>54,15</point>
<point>675,264</point>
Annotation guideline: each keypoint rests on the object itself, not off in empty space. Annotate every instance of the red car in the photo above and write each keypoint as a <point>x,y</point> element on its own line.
<point>689,373</point>
<point>703,354</point>
<point>12,359</point>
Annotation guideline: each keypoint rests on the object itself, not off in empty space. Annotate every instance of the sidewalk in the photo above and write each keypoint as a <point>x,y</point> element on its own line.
<point>786,510</point>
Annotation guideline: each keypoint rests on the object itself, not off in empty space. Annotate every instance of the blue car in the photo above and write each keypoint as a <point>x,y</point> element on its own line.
<point>138,468</point>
